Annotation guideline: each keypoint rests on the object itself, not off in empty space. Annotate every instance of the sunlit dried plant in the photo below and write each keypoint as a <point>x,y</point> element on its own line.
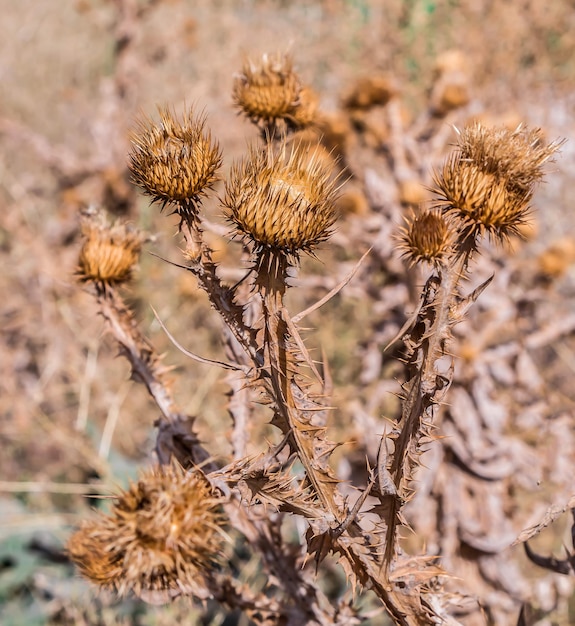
<point>164,534</point>
<point>427,237</point>
<point>488,183</point>
<point>281,199</point>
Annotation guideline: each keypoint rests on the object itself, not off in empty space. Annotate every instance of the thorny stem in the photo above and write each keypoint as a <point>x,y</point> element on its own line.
<point>221,297</point>
<point>176,428</point>
<point>287,398</point>
<point>277,337</point>
<point>430,333</point>
<point>283,569</point>
<point>348,537</point>
<point>137,350</point>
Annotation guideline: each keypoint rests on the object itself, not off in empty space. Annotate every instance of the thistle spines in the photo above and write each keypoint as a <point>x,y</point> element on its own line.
<point>427,237</point>
<point>281,199</point>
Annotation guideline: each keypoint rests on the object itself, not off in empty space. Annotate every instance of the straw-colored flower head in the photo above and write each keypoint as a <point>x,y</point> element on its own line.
<point>109,253</point>
<point>174,161</point>
<point>281,199</point>
<point>268,90</point>
<point>426,237</point>
<point>488,183</point>
<point>162,533</point>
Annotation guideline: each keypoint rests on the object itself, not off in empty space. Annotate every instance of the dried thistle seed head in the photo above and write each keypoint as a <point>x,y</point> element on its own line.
<point>162,533</point>
<point>488,183</point>
<point>174,161</point>
<point>109,253</point>
<point>427,237</point>
<point>514,156</point>
<point>480,200</point>
<point>89,549</point>
<point>281,199</point>
<point>449,94</point>
<point>267,90</point>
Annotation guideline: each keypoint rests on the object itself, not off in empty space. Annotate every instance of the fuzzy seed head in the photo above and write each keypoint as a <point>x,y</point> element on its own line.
<point>267,90</point>
<point>514,156</point>
<point>174,161</point>
<point>282,200</point>
<point>427,237</point>
<point>109,253</point>
<point>480,200</point>
<point>161,534</point>
<point>488,183</point>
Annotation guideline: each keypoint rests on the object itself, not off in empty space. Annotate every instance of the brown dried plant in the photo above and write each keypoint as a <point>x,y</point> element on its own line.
<point>165,535</point>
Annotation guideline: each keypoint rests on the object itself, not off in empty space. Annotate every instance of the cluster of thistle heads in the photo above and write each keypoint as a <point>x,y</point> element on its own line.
<point>280,197</point>
<point>280,200</point>
<point>484,187</point>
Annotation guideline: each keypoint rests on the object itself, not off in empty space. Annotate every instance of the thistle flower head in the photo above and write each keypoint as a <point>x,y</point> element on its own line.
<point>174,161</point>
<point>426,237</point>
<point>162,533</point>
<point>488,183</point>
<point>514,156</point>
<point>109,253</point>
<point>281,199</point>
<point>269,90</point>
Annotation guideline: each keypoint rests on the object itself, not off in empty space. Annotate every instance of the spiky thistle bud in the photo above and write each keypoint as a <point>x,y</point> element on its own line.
<point>281,199</point>
<point>174,161</point>
<point>109,253</point>
<point>488,183</point>
<point>269,91</point>
<point>163,533</point>
<point>427,237</point>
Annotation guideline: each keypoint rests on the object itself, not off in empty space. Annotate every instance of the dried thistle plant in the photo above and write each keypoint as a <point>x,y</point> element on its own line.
<point>281,200</point>
<point>427,237</point>
<point>488,184</point>
<point>164,536</point>
<point>484,188</point>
